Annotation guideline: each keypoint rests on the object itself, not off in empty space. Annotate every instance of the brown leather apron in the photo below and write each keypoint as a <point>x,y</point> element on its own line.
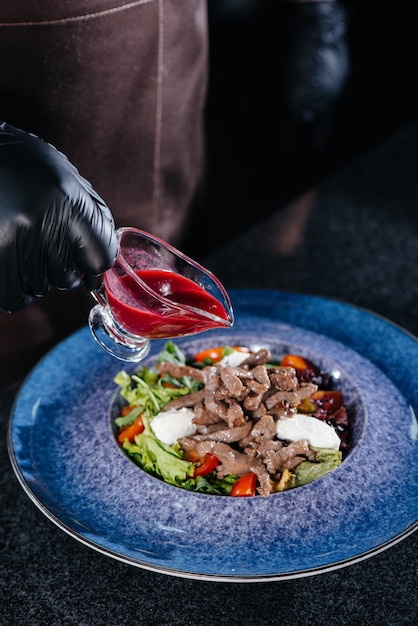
<point>120,88</point>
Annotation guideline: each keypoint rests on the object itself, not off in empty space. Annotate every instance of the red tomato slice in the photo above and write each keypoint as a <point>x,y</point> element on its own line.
<point>215,354</point>
<point>131,431</point>
<point>212,354</point>
<point>298,362</point>
<point>207,465</point>
<point>245,485</point>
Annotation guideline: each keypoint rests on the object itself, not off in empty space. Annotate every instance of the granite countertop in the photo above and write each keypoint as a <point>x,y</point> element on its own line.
<point>354,238</point>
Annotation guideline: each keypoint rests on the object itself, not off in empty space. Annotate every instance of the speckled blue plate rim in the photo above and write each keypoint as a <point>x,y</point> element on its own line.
<point>73,471</point>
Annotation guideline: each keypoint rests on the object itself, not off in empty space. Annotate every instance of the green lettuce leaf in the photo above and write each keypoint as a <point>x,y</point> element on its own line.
<point>146,391</point>
<point>128,419</point>
<point>156,457</point>
<point>307,471</point>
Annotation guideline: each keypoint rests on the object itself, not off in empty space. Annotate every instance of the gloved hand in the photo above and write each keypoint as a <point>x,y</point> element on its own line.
<point>55,231</point>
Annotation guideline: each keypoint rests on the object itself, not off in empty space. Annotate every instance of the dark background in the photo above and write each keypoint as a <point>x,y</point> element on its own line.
<point>249,173</point>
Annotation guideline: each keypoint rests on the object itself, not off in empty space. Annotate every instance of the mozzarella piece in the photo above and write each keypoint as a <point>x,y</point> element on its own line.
<point>317,433</point>
<point>168,426</point>
<point>234,359</point>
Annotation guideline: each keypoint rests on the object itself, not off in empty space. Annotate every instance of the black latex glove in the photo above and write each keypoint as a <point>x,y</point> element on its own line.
<point>315,56</point>
<point>55,231</point>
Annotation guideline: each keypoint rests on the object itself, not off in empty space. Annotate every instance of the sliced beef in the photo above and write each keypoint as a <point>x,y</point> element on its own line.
<point>287,457</point>
<point>293,398</point>
<point>261,357</point>
<point>203,417</point>
<point>284,378</point>
<point>190,400</point>
<point>264,428</point>
<point>178,371</point>
<point>261,375</point>
<point>232,381</point>
<point>212,384</point>
<point>232,461</point>
<point>235,413</point>
<point>227,435</point>
<point>264,480</point>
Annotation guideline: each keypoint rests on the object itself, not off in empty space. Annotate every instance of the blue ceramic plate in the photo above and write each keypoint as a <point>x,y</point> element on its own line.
<point>66,458</point>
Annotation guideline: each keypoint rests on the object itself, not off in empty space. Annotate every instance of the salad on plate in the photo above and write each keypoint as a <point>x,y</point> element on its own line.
<point>232,421</point>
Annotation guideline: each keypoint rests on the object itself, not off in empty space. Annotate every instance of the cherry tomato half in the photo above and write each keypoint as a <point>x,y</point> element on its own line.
<point>207,465</point>
<point>213,355</point>
<point>130,432</point>
<point>298,362</point>
<point>245,486</point>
